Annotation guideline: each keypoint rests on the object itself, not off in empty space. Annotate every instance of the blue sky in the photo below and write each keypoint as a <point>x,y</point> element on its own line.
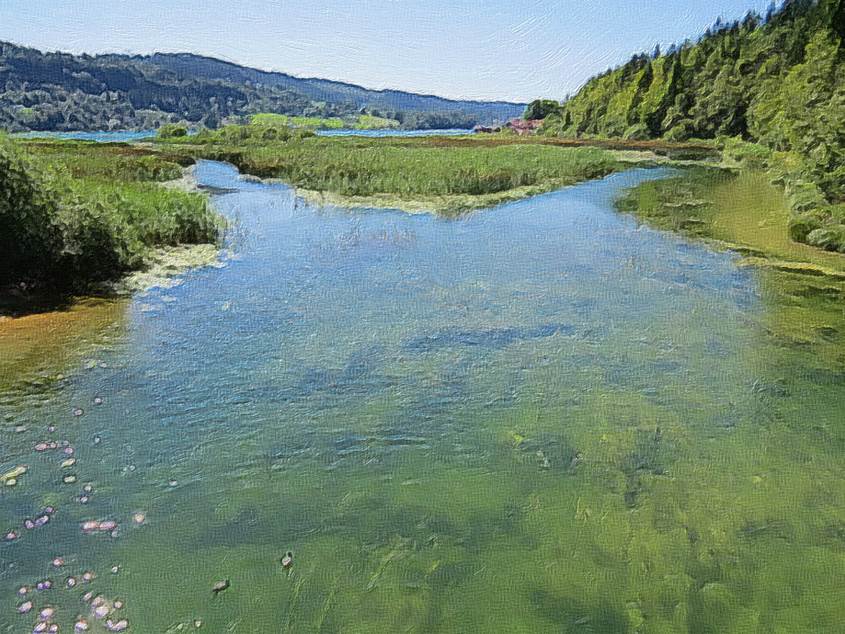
<point>479,49</point>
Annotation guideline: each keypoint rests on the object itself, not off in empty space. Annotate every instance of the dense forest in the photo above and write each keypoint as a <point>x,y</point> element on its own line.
<point>777,81</point>
<point>59,91</point>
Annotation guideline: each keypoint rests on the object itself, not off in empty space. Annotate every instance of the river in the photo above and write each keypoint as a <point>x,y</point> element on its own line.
<point>541,417</point>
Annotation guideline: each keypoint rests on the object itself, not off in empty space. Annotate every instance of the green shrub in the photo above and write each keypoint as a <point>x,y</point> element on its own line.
<point>749,154</point>
<point>30,234</point>
<point>637,132</point>
<point>172,131</point>
<point>681,131</point>
<point>804,196</point>
<point>67,233</point>
<point>153,168</point>
<point>802,225</point>
<point>830,238</point>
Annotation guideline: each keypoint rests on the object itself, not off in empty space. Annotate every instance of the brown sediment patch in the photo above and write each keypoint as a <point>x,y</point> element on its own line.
<point>52,341</point>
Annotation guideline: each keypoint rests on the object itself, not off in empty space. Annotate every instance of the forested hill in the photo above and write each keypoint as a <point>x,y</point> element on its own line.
<point>188,66</point>
<point>776,80</point>
<point>59,91</point>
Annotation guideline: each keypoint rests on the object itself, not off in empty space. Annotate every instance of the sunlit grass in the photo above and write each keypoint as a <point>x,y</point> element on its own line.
<point>415,173</point>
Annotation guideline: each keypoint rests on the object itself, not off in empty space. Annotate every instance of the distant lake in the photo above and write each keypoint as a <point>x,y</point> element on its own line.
<point>104,136</point>
<point>126,136</point>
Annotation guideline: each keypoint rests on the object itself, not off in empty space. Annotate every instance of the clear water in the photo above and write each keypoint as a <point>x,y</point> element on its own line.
<point>104,136</point>
<point>536,418</point>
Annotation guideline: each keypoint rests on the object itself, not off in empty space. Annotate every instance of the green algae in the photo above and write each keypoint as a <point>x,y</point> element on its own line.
<point>681,472</point>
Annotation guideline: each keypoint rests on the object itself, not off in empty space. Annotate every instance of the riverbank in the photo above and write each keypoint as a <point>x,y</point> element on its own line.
<point>737,209</point>
<point>80,216</point>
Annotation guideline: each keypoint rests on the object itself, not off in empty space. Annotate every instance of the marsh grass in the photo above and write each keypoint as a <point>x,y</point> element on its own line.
<point>443,176</point>
<point>77,214</point>
<point>360,122</point>
<point>108,162</point>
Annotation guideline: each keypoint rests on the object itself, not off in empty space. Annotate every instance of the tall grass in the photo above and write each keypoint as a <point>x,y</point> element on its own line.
<point>68,220</point>
<point>360,122</point>
<point>108,162</point>
<point>415,169</point>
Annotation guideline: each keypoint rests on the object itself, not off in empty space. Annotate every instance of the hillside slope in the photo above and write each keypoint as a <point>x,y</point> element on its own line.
<point>186,65</point>
<point>777,81</point>
<point>59,91</point>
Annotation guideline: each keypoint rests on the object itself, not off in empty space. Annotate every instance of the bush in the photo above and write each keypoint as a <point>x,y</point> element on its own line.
<point>802,225</point>
<point>30,236</point>
<point>681,131</point>
<point>172,131</point>
<point>830,238</point>
<point>637,132</point>
<point>749,154</point>
<point>152,168</point>
<point>68,232</point>
<point>804,196</point>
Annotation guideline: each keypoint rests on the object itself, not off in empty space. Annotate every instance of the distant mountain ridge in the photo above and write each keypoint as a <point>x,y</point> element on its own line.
<point>61,91</point>
<point>184,64</point>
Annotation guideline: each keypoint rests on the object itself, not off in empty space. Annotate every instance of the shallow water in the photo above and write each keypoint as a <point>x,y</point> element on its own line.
<point>536,418</point>
<point>103,136</point>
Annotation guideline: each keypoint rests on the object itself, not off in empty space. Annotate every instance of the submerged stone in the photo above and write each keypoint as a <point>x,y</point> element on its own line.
<point>117,626</point>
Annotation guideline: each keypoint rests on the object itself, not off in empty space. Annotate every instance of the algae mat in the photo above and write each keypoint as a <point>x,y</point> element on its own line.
<point>537,418</point>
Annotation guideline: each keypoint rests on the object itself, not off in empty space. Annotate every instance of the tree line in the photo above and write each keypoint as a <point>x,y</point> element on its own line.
<point>60,91</point>
<point>777,80</point>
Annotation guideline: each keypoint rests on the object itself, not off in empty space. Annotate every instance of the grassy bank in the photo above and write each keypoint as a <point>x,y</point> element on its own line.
<point>438,174</point>
<point>77,214</point>
<point>359,122</point>
<point>742,209</point>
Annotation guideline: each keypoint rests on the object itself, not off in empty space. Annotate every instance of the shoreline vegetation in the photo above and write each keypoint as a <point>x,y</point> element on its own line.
<point>740,210</point>
<point>768,91</point>
<point>78,217</point>
<point>443,175</point>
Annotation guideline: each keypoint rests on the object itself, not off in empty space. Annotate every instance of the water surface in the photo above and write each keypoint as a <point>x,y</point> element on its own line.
<point>103,136</point>
<point>536,418</point>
